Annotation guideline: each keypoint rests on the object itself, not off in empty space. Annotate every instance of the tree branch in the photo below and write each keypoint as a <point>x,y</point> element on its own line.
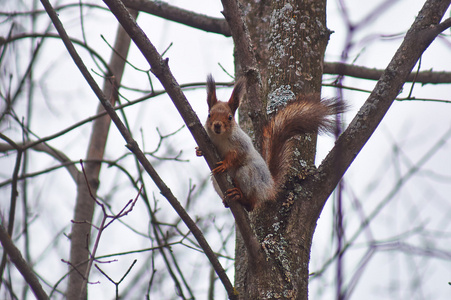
<point>13,201</point>
<point>17,37</point>
<point>424,30</point>
<point>185,17</point>
<point>20,263</point>
<point>43,147</point>
<point>374,74</point>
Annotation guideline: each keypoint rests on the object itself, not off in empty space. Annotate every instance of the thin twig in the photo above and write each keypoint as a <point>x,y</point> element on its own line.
<point>103,225</point>
<point>119,282</point>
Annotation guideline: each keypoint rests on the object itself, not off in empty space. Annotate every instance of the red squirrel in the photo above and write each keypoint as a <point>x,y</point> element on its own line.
<point>258,178</point>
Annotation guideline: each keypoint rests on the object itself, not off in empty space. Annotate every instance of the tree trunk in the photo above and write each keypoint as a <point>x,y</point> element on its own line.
<point>289,39</point>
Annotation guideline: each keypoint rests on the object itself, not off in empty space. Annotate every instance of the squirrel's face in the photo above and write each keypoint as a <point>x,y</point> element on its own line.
<point>220,119</point>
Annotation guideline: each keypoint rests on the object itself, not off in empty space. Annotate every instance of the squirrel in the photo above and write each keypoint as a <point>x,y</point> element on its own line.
<point>258,177</point>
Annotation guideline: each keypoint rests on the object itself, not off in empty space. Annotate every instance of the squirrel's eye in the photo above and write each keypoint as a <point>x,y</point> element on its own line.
<point>208,116</point>
<point>230,117</point>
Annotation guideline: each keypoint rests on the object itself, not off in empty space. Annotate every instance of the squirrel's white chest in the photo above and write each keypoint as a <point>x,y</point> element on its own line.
<point>236,140</point>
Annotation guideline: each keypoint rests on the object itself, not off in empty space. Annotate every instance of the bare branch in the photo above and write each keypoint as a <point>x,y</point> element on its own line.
<point>13,201</point>
<point>80,43</point>
<point>424,77</point>
<point>20,263</point>
<point>103,225</point>
<point>57,8</point>
<point>172,13</point>
<point>119,282</point>
<point>43,147</point>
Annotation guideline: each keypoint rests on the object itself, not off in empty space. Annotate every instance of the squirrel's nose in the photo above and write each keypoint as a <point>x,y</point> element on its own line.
<point>217,127</point>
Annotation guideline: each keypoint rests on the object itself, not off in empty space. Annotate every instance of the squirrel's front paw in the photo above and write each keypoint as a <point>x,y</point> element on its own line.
<point>199,152</point>
<point>219,169</point>
<point>224,201</point>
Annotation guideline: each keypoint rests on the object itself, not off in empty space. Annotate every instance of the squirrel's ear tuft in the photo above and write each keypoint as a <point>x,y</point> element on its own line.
<point>211,92</point>
<point>237,94</point>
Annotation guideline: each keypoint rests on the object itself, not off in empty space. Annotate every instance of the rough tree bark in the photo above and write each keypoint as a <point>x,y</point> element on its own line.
<point>289,39</point>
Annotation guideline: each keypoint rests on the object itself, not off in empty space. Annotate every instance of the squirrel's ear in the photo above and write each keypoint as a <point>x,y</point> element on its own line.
<point>211,91</point>
<point>237,94</point>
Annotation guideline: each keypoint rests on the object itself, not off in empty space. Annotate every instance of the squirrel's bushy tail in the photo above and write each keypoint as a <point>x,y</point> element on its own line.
<point>307,114</point>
